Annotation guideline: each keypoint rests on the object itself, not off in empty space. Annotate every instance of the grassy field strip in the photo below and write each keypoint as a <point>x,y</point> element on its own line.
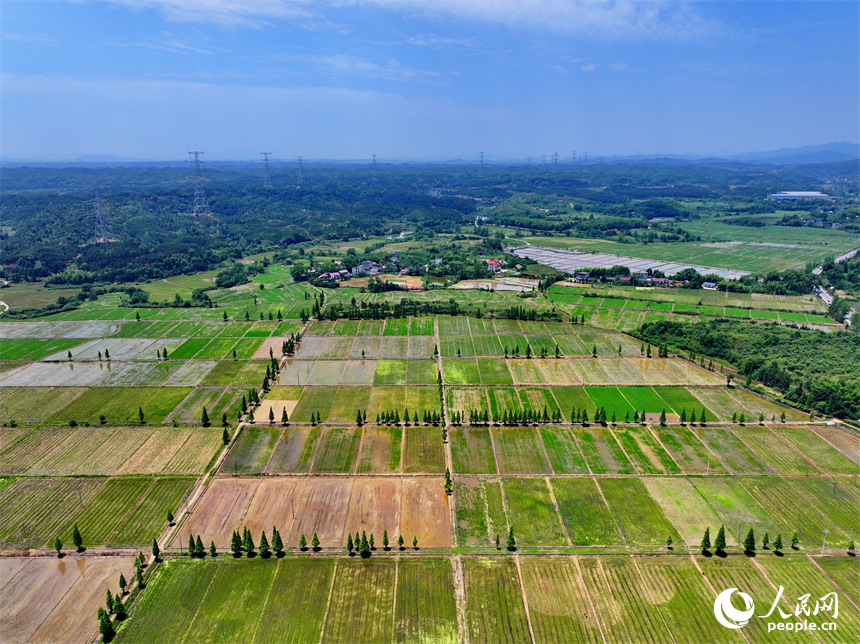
<point>681,593</point>
<point>810,445</point>
<point>643,521</point>
<point>799,576</point>
<point>585,512</point>
<point>807,442</point>
<point>734,505</point>
<point>792,510</point>
<point>845,442</point>
<point>744,574</point>
<point>494,602</point>
<point>107,510</point>
<point>844,572</point>
<point>778,452</point>
<point>32,510</point>
<point>683,506</point>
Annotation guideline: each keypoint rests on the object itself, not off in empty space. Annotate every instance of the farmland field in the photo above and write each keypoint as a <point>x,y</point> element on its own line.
<point>532,513</point>
<point>495,609</point>
<point>585,495</point>
<point>585,515</point>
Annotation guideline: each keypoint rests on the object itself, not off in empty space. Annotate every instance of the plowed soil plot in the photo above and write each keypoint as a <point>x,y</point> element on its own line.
<point>424,512</point>
<point>322,509</point>
<point>374,507</point>
<point>54,600</point>
<point>219,512</point>
<point>274,504</point>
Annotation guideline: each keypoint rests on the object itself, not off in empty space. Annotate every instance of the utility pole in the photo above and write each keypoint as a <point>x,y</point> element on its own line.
<point>301,177</point>
<point>201,203</point>
<point>267,178</point>
<point>826,532</point>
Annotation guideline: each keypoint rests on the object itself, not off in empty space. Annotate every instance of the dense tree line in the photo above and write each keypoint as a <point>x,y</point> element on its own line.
<point>844,276</point>
<point>814,369</point>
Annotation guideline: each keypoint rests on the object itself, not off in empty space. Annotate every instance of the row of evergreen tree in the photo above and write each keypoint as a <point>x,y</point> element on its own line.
<point>364,544</point>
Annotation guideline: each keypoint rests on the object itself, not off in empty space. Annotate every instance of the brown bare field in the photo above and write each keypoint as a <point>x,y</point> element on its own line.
<point>322,508</point>
<point>72,619</point>
<point>219,512</point>
<point>277,407</point>
<point>273,505</point>
<point>49,599</point>
<point>9,568</point>
<point>374,507</point>
<point>275,344</point>
<point>329,506</point>
<point>424,512</point>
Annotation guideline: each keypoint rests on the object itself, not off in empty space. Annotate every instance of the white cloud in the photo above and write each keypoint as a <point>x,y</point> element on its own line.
<point>27,38</point>
<point>590,67</point>
<point>223,12</point>
<point>349,66</point>
<point>598,18</point>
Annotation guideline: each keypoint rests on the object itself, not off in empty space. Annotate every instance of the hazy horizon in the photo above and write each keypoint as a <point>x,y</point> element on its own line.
<point>413,80</point>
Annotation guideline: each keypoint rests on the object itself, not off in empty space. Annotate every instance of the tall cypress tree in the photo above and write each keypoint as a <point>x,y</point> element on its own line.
<point>706,540</point>
<point>720,542</point>
<point>77,539</point>
<point>749,542</point>
<point>511,542</point>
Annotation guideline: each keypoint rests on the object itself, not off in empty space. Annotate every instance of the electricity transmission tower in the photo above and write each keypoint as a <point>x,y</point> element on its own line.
<point>103,232</point>
<point>267,177</point>
<point>555,159</point>
<point>301,177</point>
<point>482,163</point>
<point>201,203</point>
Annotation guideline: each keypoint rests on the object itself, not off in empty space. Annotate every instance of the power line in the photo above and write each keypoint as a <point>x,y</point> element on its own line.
<point>197,161</point>
<point>102,228</point>
<point>201,203</point>
<point>301,176</point>
<point>267,177</point>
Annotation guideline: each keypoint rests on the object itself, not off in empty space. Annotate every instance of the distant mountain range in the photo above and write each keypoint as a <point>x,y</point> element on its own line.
<point>827,153</point>
<point>806,155</point>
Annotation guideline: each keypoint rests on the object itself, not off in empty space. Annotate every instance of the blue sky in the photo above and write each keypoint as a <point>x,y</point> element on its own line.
<point>425,79</point>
